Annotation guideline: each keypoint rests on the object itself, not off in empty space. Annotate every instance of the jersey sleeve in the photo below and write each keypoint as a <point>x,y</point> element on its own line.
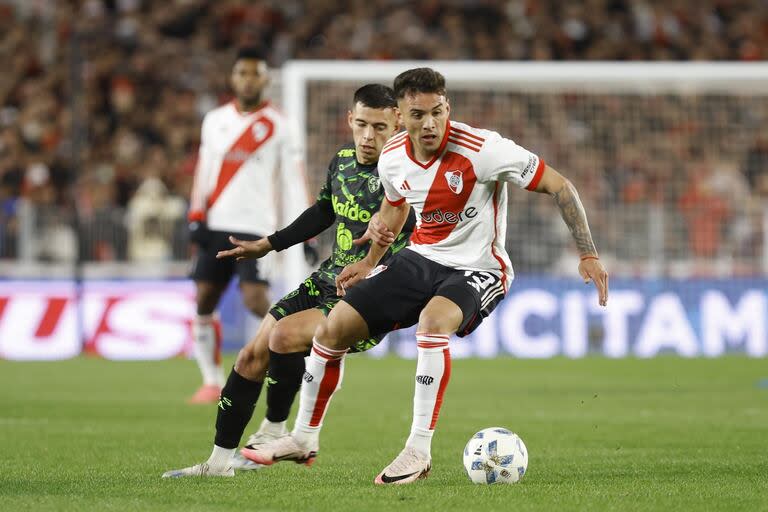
<point>324,196</point>
<point>390,191</point>
<point>199,195</point>
<point>502,159</point>
<point>311,223</point>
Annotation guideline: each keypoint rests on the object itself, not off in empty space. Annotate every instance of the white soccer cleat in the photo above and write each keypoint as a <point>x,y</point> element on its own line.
<point>200,470</point>
<point>409,466</point>
<point>284,448</point>
<point>240,463</point>
<point>262,437</point>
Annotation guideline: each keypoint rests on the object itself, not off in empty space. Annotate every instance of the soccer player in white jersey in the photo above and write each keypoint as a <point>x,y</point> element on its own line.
<point>247,160</point>
<point>452,275</point>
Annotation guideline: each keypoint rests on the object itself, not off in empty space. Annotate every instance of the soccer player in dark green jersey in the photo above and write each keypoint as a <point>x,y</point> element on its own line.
<point>346,203</point>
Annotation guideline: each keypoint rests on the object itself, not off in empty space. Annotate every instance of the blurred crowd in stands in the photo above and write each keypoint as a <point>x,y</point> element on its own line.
<point>101,103</point>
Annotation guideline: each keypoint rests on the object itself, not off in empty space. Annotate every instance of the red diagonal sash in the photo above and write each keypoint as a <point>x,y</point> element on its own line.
<point>252,138</point>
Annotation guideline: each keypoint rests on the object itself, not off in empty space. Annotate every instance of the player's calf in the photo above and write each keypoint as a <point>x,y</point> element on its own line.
<point>251,362</point>
<point>235,409</point>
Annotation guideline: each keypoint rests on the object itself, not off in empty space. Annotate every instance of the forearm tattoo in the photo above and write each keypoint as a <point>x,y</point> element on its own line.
<point>572,212</point>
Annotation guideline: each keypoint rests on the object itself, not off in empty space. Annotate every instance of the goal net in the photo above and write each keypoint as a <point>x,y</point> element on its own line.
<point>671,160</point>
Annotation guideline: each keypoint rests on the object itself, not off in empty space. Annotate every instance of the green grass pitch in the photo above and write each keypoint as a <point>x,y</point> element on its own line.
<point>660,434</point>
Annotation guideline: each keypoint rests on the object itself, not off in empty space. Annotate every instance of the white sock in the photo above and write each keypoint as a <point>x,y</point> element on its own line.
<point>221,457</point>
<point>273,428</point>
<point>323,375</point>
<point>433,371</point>
<point>207,350</point>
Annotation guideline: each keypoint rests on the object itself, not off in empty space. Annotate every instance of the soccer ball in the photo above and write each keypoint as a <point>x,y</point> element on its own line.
<point>495,455</point>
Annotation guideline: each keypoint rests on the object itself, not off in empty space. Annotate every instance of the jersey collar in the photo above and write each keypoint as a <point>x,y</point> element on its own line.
<point>262,105</point>
<point>366,167</point>
<point>438,153</point>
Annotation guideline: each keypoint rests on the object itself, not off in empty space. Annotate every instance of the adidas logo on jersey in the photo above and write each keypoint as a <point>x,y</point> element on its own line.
<point>438,217</point>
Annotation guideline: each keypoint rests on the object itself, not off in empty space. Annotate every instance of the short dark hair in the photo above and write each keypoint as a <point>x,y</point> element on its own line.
<point>250,52</point>
<point>375,96</point>
<point>419,80</point>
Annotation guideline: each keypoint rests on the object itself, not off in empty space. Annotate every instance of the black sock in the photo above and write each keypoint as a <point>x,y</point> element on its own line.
<point>285,373</point>
<point>236,404</point>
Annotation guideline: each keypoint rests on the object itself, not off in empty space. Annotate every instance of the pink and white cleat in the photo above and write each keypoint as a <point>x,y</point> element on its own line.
<point>206,394</point>
<point>282,449</point>
<point>409,466</point>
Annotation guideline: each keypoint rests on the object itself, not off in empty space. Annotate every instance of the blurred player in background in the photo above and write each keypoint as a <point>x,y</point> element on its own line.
<point>247,161</point>
<point>347,202</point>
<point>452,275</point>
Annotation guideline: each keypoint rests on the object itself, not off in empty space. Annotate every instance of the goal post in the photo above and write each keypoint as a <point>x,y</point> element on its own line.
<point>662,153</point>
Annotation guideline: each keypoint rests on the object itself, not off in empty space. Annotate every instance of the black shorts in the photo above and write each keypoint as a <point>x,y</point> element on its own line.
<point>316,292</point>
<point>205,266</point>
<point>393,295</point>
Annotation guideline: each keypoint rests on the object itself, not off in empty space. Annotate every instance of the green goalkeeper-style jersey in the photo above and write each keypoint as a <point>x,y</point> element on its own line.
<point>353,191</point>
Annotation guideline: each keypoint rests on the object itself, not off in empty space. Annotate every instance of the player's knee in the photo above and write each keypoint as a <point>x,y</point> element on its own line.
<point>244,360</point>
<point>252,362</point>
<point>322,333</point>
<point>433,323</point>
<point>332,334</point>
<point>285,339</point>
<point>327,333</point>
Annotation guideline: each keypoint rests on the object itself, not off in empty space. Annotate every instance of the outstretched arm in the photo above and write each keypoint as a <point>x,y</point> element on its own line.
<point>572,211</point>
<point>313,221</point>
<point>310,223</point>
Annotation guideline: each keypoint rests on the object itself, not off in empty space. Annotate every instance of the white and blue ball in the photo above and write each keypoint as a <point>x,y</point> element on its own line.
<point>495,455</point>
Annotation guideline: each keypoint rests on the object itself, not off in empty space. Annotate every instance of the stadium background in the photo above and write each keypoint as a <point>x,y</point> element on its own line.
<point>100,109</point>
<point>99,126</point>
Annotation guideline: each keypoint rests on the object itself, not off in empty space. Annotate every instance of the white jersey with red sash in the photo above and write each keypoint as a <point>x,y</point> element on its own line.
<point>460,196</point>
<point>249,165</point>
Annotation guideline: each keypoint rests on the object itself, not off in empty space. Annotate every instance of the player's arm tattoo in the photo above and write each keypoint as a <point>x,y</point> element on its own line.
<point>572,212</point>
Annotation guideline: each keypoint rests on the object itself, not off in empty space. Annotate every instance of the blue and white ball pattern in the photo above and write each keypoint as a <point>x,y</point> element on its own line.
<point>495,455</point>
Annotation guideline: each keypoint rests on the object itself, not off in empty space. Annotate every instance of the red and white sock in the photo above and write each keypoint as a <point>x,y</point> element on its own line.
<point>206,334</point>
<point>322,377</point>
<point>433,371</point>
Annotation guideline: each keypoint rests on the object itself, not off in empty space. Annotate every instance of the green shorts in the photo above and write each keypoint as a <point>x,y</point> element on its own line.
<point>318,293</point>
